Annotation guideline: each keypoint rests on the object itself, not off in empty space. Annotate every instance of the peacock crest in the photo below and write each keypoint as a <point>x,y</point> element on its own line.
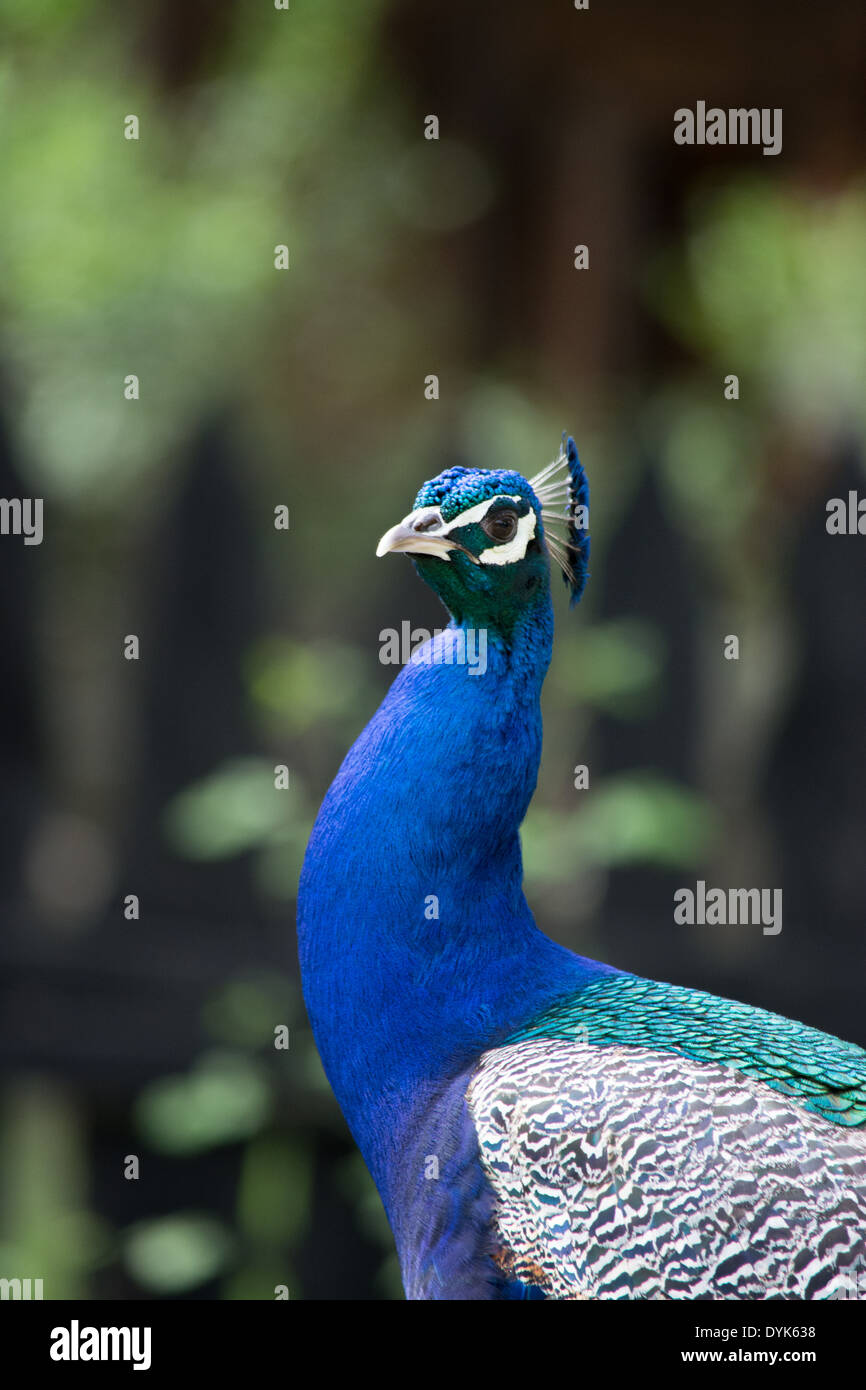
<point>562,489</point>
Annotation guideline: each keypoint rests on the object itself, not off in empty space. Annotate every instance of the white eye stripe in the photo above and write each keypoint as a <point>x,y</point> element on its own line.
<point>515,549</point>
<point>506,554</point>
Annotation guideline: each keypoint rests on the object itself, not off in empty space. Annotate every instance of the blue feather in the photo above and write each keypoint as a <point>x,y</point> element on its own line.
<point>578,536</point>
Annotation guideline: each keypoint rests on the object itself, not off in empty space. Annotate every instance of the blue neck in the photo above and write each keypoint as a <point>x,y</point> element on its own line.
<point>418,949</point>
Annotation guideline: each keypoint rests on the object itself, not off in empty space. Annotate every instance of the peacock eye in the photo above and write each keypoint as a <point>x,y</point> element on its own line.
<point>500,526</point>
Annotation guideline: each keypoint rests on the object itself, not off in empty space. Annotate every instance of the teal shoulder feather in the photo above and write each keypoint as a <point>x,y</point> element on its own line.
<point>821,1072</point>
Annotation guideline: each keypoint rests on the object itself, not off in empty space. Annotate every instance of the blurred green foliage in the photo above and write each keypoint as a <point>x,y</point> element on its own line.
<point>49,1232</point>
<point>774,281</point>
<point>225,1098</point>
<point>633,819</point>
<point>173,1254</point>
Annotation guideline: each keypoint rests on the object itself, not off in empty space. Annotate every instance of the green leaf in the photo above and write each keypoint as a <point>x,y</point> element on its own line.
<point>235,808</point>
<point>173,1254</point>
<point>225,1098</point>
<point>630,819</point>
<point>275,1190</point>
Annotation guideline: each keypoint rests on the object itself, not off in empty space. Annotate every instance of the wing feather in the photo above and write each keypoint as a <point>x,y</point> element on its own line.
<point>625,1172</point>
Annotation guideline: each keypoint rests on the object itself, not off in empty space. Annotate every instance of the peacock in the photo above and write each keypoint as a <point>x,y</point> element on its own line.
<point>541,1125</point>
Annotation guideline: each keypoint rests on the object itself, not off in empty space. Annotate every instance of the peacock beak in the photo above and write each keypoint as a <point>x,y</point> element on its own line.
<point>423,532</point>
<point>407,537</point>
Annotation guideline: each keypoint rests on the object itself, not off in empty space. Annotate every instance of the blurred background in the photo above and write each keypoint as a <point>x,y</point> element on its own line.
<point>154,1036</point>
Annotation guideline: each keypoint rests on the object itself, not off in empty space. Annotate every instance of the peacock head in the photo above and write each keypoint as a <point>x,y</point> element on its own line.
<point>483,538</point>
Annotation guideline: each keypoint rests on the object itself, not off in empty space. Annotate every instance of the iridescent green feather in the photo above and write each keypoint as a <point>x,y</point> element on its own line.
<point>823,1073</point>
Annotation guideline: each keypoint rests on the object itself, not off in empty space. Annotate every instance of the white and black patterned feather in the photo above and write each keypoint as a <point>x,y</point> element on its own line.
<point>621,1172</point>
